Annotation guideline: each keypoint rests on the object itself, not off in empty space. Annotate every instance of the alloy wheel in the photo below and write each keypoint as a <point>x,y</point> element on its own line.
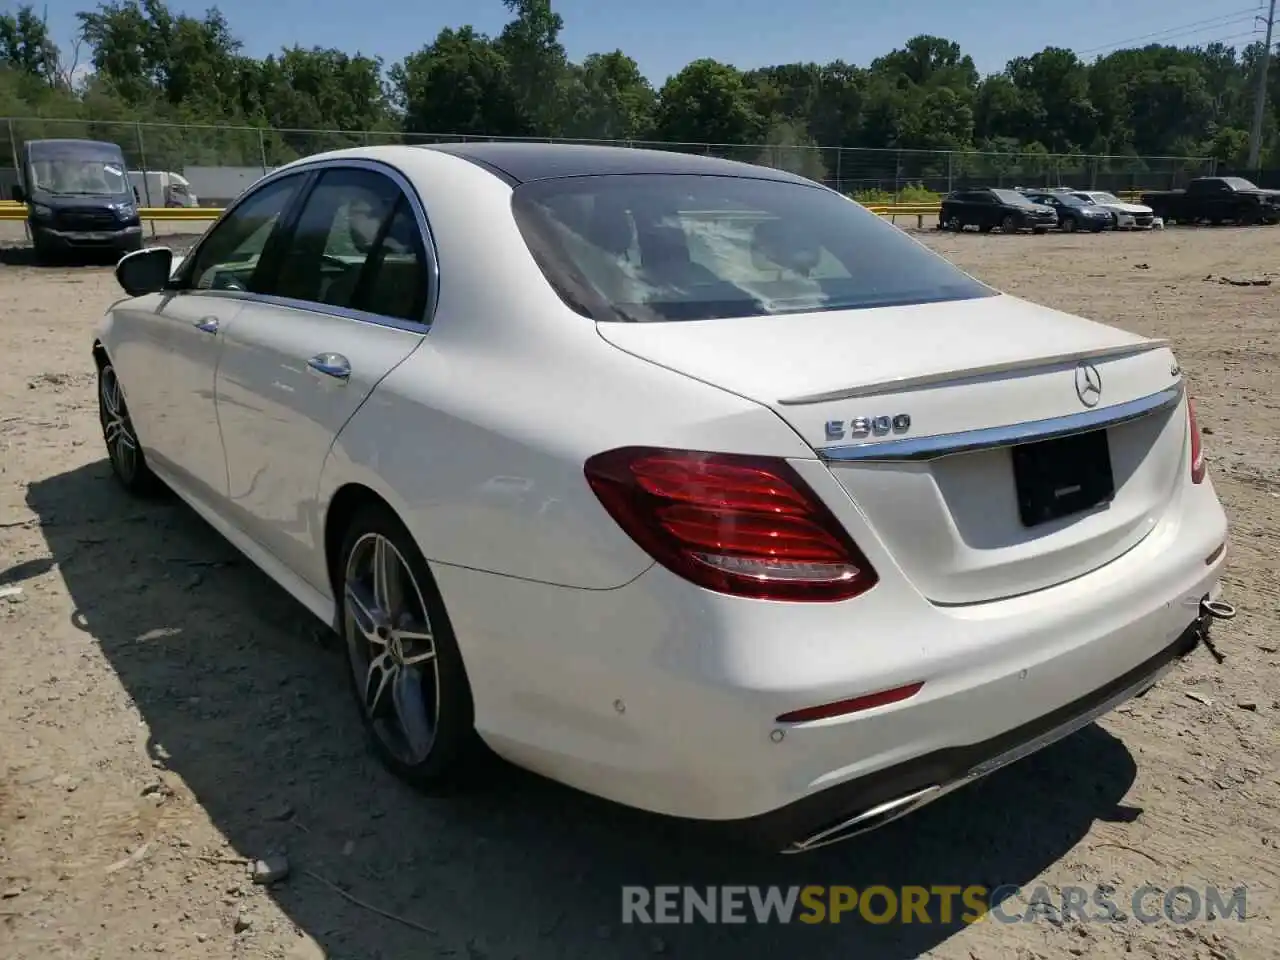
<point>391,648</point>
<point>117,428</point>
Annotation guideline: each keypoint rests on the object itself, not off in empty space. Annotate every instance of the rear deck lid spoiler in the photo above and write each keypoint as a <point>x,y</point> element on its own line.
<point>950,377</point>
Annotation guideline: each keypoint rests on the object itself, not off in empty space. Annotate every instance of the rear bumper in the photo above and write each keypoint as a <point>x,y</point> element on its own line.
<point>869,802</point>
<point>663,696</point>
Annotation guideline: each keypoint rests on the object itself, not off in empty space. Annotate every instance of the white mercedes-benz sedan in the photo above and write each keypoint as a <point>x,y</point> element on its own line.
<point>691,484</point>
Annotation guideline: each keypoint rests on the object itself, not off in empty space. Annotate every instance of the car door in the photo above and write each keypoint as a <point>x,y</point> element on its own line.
<point>984,210</point>
<point>345,303</point>
<point>179,341</point>
<point>1213,199</point>
<point>961,207</point>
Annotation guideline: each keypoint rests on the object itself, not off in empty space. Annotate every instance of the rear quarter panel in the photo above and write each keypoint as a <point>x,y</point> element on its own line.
<point>478,440</point>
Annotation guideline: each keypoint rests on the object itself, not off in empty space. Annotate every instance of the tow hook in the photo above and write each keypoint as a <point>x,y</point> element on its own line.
<point>1211,610</point>
<point>1217,610</point>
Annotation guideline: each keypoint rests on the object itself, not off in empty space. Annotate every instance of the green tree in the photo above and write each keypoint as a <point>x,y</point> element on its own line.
<point>608,98</point>
<point>461,84</point>
<point>151,63</point>
<point>26,48</point>
<point>708,102</point>
<point>536,62</point>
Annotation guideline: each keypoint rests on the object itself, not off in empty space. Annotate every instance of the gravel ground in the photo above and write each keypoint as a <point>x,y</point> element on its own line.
<point>165,711</point>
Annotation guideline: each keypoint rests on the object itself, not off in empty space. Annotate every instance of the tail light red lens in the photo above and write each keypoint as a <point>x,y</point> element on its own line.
<point>1198,466</point>
<point>747,526</point>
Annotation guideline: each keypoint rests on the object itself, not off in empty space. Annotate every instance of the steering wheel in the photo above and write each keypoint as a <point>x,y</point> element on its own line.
<point>229,282</point>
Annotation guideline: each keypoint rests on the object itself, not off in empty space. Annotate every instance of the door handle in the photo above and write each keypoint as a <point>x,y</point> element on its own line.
<point>207,324</point>
<point>331,365</point>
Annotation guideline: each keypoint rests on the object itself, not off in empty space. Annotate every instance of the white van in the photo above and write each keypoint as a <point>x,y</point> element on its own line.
<point>163,188</point>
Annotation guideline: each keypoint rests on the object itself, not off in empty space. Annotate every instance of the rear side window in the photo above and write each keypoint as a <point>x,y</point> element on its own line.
<point>648,247</point>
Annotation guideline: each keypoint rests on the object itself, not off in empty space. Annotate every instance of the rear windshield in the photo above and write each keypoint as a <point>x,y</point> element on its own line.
<point>653,247</point>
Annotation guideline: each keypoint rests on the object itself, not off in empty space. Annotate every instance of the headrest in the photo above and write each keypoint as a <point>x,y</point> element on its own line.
<point>664,245</point>
<point>610,226</point>
<point>778,243</point>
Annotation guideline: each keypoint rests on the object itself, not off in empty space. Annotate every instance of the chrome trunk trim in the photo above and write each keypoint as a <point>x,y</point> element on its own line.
<point>989,438</point>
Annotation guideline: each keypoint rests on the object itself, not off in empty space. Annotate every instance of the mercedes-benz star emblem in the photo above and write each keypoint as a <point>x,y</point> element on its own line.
<point>1088,383</point>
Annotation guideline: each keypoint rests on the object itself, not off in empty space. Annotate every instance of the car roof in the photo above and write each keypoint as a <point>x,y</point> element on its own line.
<point>521,161</point>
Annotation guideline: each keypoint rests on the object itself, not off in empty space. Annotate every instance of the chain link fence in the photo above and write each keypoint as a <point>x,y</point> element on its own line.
<point>873,175</point>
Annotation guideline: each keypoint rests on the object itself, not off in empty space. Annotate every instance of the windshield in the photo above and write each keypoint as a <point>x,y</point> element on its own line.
<point>1106,198</point>
<point>1012,196</point>
<point>657,247</point>
<point>72,177</point>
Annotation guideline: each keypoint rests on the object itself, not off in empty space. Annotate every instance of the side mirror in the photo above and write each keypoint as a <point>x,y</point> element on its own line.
<point>145,271</point>
<point>18,194</point>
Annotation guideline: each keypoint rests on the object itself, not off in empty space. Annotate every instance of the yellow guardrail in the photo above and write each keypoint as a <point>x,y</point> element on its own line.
<point>17,211</point>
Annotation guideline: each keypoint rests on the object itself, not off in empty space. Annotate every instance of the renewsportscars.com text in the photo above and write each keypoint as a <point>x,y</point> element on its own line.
<point>944,904</point>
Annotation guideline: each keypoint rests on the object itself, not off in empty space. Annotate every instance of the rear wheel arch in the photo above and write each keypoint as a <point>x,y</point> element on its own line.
<point>345,504</point>
<point>356,513</point>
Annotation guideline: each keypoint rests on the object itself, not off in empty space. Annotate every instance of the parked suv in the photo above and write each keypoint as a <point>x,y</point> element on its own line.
<point>1073,213</point>
<point>990,207</point>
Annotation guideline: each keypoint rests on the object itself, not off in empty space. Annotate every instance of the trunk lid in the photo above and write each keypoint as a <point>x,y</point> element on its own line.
<point>953,510</point>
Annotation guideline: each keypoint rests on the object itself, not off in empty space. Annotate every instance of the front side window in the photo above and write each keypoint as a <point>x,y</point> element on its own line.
<point>658,247</point>
<point>229,256</point>
<point>356,245</point>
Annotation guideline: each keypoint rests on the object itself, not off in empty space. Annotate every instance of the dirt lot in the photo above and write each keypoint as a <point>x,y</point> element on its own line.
<point>165,710</point>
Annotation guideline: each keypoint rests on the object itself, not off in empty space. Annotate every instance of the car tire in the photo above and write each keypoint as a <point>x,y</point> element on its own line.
<point>44,254</point>
<point>405,668</point>
<point>1009,224</point>
<point>124,451</point>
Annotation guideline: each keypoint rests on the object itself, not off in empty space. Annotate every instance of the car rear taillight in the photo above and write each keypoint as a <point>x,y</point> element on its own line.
<point>1198,466</point>
<point>747,526</point>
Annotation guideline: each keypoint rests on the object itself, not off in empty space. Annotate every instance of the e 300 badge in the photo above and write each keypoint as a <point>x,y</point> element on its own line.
<point>860,427</point>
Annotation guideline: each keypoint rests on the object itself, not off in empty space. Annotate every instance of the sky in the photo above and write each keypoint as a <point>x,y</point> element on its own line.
<point>664,35</point>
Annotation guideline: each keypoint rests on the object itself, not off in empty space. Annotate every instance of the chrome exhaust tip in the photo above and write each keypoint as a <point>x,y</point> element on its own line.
<point>1217,609</point>
<point>866,821</point>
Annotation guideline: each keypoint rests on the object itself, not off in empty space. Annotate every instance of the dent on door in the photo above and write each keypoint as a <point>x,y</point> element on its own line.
<point>288,382</point>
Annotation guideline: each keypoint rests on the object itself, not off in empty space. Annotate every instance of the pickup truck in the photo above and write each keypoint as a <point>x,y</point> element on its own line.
<point>1216,199</point>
